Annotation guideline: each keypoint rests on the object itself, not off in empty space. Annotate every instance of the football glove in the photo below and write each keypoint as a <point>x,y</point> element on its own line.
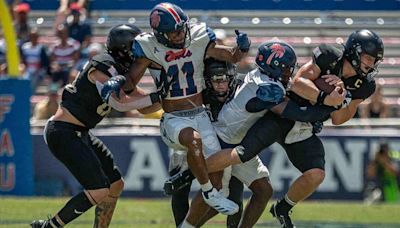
<point>113,84</point>
<point>243,42</point>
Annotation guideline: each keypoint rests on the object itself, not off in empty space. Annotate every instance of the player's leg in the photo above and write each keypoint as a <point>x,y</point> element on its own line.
<point>236,195</point>
<point>179,198</point>
<point>308,157</point>
<point>261,135</point>
<point>105,210</point>
<point>256,176</point>
<point>69,144</point>
<point>180,133</point>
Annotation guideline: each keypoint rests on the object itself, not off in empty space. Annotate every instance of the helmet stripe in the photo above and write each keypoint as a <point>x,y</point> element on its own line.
<point>171,10</point>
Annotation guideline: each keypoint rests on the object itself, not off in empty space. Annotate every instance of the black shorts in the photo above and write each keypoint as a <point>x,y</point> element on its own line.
<point>85,156</point>
<point>271,128</point>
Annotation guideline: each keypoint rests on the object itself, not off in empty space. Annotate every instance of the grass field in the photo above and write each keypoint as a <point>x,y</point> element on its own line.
<point>18,212</point>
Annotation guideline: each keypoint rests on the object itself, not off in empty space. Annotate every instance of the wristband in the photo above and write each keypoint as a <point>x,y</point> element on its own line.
<point>128,91</point>
<point>321,97</point>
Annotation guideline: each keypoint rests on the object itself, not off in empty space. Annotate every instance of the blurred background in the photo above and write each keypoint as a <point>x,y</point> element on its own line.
<point>55,38</point>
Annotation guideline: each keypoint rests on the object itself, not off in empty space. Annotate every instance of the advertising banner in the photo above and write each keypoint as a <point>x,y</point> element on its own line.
<point>143,160</point>
<point>16,170</point>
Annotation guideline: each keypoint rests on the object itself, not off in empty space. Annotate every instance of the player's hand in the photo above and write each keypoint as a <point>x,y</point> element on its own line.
<point>112,85</point>
<point>271,93</point>
<point>336,97</point>
<point>242,40</point>
<point>317,127</point>
<point>346,101</point>
<point>333,80</point>
<point>163,88</point>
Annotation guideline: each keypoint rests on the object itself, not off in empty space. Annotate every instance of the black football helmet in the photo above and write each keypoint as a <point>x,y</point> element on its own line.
<point>218,70</point>
<point>364,41</point>
<point>119,44</point>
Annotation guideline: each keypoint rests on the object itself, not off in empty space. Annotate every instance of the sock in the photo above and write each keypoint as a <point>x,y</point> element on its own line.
<point>207,186</point>
<point>186,225</point>
<point>74,208</point>
<point>180,204</point>
<point>284,205</point>
<point>54,223</point>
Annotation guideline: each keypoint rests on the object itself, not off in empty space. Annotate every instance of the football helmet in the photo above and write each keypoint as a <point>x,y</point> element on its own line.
<point>276,59</point>
<point>218,70</point>
<point>166,18</point>
<point>119,44</point>
<point>364,41</point>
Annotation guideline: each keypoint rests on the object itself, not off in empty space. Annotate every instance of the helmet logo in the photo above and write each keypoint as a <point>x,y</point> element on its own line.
<point>260,58</point>
<point>277,51</point>
<point>154,19</point>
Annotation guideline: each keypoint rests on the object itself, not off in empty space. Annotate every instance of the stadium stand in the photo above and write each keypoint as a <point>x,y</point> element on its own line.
<point>303,29</point>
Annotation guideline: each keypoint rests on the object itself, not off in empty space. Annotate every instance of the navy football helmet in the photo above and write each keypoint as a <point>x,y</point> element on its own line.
<point>166,18</point>
<point>276,59</point>
<point>364,41</point>
<point>215,70</point>
<point>119,44</point>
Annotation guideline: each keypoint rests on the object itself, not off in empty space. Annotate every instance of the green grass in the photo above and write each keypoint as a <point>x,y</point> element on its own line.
<point>18,212</point>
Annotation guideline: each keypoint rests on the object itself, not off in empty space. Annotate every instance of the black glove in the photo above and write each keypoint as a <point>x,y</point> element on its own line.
<point>317,127</point>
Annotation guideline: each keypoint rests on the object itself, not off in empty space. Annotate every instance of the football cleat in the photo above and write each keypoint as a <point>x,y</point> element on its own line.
<point>217,201</point>
<point>284,219</point>
<point>40,223</point>
<point>178,181</point>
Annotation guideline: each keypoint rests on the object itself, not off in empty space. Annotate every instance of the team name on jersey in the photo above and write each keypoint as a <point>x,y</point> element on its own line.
<point>171,55</point>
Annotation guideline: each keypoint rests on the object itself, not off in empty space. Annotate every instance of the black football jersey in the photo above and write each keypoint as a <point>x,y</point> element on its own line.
<point>81,97</point>
<point>330,60</point>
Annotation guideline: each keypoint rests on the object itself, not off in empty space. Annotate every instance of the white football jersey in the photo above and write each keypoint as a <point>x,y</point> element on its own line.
<point>184,66</point>
<point>236,116</point>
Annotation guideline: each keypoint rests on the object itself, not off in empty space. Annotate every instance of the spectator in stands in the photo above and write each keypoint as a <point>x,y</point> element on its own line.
<point>78,28</point>
<point>21,25</point>
<point>385,172</point>
<point>64,10</point>
<point>377,107</point>
<point>63,56</point>
<point>47,107</point>
<point>35,58</point>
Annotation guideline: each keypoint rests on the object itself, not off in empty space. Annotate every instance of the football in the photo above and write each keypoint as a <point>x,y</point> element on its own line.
<point>324,86</point>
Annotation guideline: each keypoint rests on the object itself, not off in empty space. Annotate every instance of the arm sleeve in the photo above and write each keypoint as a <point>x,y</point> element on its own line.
<point>306,114</point>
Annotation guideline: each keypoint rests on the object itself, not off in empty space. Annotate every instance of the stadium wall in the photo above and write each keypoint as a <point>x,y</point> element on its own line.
<point>143,160</point>
<point>234,4</point>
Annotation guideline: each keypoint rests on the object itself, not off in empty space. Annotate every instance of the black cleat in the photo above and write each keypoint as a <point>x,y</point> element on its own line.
<point>178,181</point>
<point>284,219</point>
<point>40,223</point>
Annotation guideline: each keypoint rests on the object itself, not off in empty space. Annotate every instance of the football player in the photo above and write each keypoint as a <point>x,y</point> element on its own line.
<point>356,65</point>
<point>85,102</point>
<point>178,47</point>
<point>262,90</point>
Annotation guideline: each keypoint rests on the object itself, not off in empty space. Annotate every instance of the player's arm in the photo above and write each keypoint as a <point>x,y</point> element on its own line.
<point>136,73</point>
<point>272,97</point>
<point>229,54</point>
<point>110,91</point>
<point>291,110</point>
<point>225,53</point>
<point>344,114</point>
<point>302,84</point>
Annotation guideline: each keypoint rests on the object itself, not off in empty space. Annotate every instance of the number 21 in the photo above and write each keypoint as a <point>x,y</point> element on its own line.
<point>188,70</point>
